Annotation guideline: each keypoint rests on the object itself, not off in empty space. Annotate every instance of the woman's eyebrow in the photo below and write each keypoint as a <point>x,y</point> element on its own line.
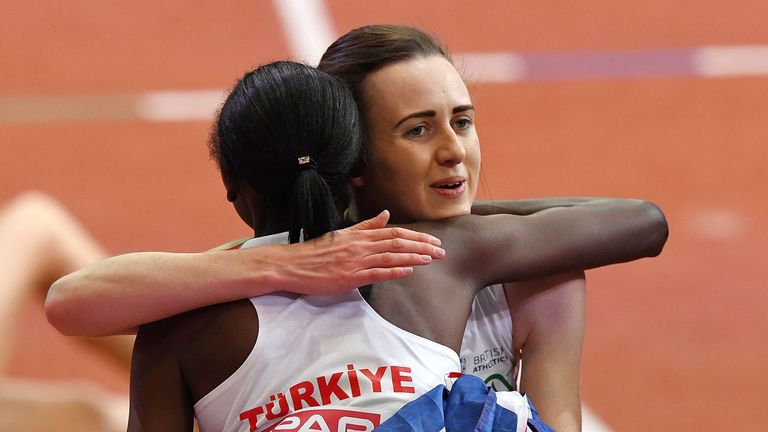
<point>427,113</point>
<point>432,113</point>
<point>462,108</point>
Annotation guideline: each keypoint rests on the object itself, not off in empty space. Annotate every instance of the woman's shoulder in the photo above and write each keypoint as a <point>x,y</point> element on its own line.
<point>467,236</point>
<point>463,225</point>
<point>192,323</point>
<point>208,344</point>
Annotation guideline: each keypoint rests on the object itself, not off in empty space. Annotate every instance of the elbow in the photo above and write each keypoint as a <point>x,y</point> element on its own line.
<point>60,307</point>
<point>657,229</point>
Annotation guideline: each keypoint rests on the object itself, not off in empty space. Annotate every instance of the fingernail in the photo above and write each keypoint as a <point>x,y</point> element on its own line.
<point>426,258</point>
<point>436,241</point>
<point>439,252</point>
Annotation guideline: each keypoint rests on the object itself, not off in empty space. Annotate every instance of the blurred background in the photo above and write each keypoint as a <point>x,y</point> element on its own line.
<point>106,106</point>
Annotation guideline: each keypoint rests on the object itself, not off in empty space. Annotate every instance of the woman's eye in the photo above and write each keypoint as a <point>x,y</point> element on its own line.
<point>463,123</point>
<point>416,131</point>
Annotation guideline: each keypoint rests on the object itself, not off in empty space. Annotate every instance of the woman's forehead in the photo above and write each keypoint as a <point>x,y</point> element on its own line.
<point>418,84</point>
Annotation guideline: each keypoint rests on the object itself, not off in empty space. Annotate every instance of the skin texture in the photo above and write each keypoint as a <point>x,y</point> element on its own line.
<point>421,124</point>
<point>163,284</point>
<point>548,317</point>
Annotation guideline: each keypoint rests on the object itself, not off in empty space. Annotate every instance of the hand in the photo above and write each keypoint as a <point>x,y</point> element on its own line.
<point>362,254</point>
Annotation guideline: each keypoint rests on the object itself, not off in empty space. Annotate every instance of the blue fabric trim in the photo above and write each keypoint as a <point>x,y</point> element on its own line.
<point>469,406</point>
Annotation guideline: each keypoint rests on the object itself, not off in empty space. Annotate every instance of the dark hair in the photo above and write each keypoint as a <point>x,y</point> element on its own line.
<point>364,50</point>
<point>275,115</point>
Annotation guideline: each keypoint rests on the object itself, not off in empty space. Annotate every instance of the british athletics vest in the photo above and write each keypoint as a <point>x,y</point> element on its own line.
<point>486,349</point>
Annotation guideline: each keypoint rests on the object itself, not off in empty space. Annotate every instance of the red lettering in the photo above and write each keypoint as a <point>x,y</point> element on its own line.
<point>302,392</point>
<point>375,378</point>
<point>328,388</point>
<point>316,423</point>
<point>353,383</point>
<point>399,377</point>
<point>252,415</point>
<point>318,419</point>
<point>352,424</point>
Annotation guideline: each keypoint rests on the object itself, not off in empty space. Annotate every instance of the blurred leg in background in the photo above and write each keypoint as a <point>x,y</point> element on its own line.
<point>39,242</point>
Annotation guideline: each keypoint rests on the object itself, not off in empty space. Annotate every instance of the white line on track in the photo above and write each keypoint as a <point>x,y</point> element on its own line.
<point>308,27</point>
<point>724,61</point>
<point>156,106</point>
<point>591,423</point>
<point>179,105</point>
<point>491,67</point>
<point>497,67</point>
<point>717,224</point>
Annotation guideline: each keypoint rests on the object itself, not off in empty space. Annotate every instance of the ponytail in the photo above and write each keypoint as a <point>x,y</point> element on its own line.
<point>293,135</point>
<point>313,207</point>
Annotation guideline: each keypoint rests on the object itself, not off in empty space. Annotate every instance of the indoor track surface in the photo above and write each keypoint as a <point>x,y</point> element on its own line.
<point>106,107</point>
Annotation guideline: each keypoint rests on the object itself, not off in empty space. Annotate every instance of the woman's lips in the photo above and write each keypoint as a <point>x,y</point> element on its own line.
<point>450,187</point>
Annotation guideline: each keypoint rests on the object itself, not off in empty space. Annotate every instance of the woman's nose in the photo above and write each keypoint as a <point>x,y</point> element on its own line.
<point>450,150</point>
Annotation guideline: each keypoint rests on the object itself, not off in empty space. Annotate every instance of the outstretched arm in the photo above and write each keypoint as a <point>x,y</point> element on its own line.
<point>549,313</point>
<point>117,294</point>
<point>557,240</point>
<point>529,206</point>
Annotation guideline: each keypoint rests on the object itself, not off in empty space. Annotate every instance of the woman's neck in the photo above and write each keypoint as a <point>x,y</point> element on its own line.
<point>264,227</point>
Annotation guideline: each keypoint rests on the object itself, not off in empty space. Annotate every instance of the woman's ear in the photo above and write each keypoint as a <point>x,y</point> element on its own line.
<point>231,186</point>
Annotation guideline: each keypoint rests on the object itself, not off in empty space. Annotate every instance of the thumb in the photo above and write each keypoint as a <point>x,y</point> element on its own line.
<point>378,221</point>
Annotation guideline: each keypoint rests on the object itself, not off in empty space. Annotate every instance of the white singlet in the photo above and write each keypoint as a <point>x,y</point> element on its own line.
<point>323,363</point>
<point>486,349</point>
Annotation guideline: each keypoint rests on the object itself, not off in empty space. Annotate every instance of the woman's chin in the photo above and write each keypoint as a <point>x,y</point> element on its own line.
<point>448,212</point>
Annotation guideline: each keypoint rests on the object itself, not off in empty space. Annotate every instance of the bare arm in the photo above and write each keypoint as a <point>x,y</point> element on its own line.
<point>482,250</point>
<point>549,318</point>
<point>549,313</point>
<point>529,206</point>
<point>557,240</point>
<point>117,294</point>
<point>159,397</point>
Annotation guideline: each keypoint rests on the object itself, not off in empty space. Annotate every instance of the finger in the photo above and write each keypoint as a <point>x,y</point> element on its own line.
<point>376,222</point>
<point>377,275</point>
<point>399,245</point>
<point>402,233</point>
<point>391,260</point>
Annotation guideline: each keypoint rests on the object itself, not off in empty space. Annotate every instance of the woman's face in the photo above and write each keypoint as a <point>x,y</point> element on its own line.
<point>425,154</point>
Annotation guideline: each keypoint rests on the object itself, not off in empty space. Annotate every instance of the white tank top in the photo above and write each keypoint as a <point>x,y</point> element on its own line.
<point>323,363</point>
<point>486,349</point>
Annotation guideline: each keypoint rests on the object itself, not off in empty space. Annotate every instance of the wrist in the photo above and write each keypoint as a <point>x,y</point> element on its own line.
<point>266,270</point>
